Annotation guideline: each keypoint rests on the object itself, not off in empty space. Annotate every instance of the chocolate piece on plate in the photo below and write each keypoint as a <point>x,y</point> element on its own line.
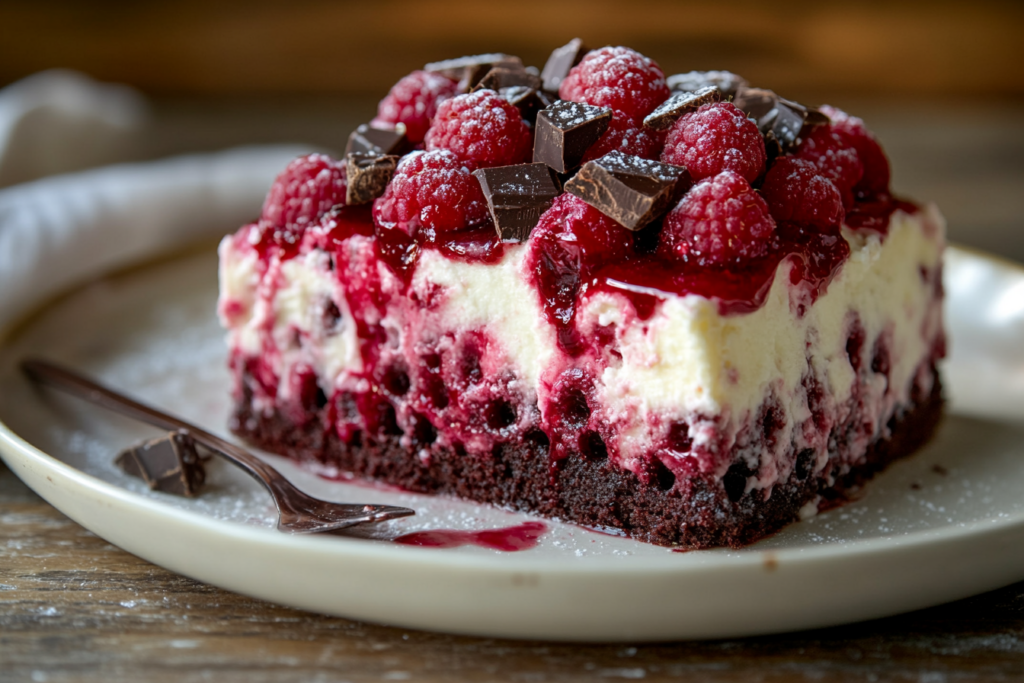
<point>726,81</point>
<point>367,176</point>
<point>469,70</point>
<point>669,111</point>
<point>630,190</point>
<point>170,464</point>
<point>565,131</point>
<point>517,196</point>
<point>561,61</point>
<point>503,77</point>
<point>367,139</point>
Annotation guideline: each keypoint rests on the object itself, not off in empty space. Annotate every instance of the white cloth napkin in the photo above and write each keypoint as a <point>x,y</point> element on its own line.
<point>63,230</point>
<point>59,121</point>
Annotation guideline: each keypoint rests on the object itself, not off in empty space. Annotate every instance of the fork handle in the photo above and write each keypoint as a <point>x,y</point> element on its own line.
<point>77,385</point>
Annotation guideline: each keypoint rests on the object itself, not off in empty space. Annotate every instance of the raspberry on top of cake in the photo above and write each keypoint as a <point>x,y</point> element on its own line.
<point>685,309</point>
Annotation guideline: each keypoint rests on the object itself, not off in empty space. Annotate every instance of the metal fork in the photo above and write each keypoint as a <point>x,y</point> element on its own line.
<point>298,513</point>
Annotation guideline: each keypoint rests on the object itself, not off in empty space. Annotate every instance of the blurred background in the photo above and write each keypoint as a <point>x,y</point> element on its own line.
<point>941,83</point>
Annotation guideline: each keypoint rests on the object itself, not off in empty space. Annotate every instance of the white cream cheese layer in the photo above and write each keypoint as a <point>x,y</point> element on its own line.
<point>688,358</point>
<point>498,299</point>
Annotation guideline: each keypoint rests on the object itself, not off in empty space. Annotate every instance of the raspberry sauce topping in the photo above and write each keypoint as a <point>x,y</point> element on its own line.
<point>570,243</point>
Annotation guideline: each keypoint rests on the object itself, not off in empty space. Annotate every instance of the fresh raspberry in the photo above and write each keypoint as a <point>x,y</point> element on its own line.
<point>432,190</point>
<point>414,101</point>
<point>306,189</point>
<point>835,157</point>
<point>573,222</point>
<point>722,221</point>
<point>625,136</point>
<point>795,191</point>
<point>617,78</point>
<point>876,165</point>
<point>717,137</point>
<point>482,128</point>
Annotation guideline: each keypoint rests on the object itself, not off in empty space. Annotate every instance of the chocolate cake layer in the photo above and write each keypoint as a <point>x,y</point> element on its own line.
<point>585,488</point>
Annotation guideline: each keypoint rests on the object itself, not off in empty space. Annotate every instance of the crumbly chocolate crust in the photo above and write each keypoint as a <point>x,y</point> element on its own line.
<point>695,513</point>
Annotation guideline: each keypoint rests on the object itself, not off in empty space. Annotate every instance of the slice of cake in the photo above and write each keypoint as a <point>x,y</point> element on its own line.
<point>689,314</point>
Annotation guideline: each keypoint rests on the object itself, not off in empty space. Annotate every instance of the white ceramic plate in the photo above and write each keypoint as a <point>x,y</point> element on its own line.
<point>944,524</point>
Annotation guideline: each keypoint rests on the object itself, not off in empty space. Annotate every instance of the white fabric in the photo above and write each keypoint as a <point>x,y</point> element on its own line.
<point>63,230</point>
<point>59,121</point>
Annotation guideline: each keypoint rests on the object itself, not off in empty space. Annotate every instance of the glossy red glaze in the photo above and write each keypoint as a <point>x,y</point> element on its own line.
<point>509,539</point>
<point>874,215</point>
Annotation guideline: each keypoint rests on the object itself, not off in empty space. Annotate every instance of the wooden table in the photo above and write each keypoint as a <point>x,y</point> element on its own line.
<point>73,607</point>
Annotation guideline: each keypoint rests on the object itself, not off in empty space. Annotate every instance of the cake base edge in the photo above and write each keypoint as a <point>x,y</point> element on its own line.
<point>693,513</point>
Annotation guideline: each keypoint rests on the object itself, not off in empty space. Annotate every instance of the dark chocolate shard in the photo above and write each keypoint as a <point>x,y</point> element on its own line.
<point>727,82</point>
<point>561,61</point>
<point>816,117</point>
<point>529,101</point>
<point>367,176</point>
<point>782,122</point>
<point>502,77</point>
<point>565,131</point>
<point>469,70</point>
<point>630,190</point>
<point>170,464</point>
<point>669,111</point>
<point>517,196</point>
<point>757,103</point>
<point>788,123</point>
<point>367,139</point>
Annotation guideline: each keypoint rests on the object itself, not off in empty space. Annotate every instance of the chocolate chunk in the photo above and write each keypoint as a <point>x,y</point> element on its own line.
<point>502,77</point>
<point>630,190</point>
<point>782,122</point>
<point>727,82</point>
<point>517,196</point>
<point>816,117</point>
<point>367,176</point>
<point>561,61</point>
<point>669,111</point>
<point>786,127</point>
<point>367,139</point>
<point>170,464</point>
<point>565,131</point>
<point>469,70</point>
<point>529,101</point>
<point>756,103</point>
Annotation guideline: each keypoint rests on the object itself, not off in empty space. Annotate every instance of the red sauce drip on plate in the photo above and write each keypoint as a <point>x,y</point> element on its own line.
<point>509,539</point>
